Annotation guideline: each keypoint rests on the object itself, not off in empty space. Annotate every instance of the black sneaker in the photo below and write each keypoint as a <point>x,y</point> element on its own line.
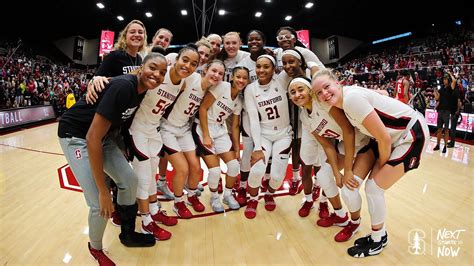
<point>451,144</point>
<point>436,147</point>
<point>444,149</point>
<point>370,248</point>
<point>364,240</point>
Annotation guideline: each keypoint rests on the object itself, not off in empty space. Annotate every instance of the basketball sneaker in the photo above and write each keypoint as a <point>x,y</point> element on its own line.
<point>295,187</point>
<point>251,210</point>
<point>115,219</point>
<point>162,186</point>
<point>270,204</point>
<point>347,232</point>
<point>369,248</point>
<point>333,219</point>
<point>316,192</point>
<point>265,184</point>
<point>163,218</point>
<point>216,204</point>
<point>241,196</point>
<point>305,208</point>
<point>196,204</point>
<point>366,239</point>
<point>323,210</point>
<point>100,256</point>
<point>230,201</point>
<point>181,210</point>
<point>158,232</point>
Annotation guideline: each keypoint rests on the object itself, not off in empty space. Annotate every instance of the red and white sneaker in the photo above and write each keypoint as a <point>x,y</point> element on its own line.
<point>158,232</point>
<point>295,187</point>
<point>162,218</point>
<point>181,210</point>
<point>347,232</point>
<point>323,210</point>
<point>251,210</point>
<point>265,184</point>
<point>115,219</point>
<point>333,219</point>
<point>305,208</point>
<point>241,196</point>
<point>197,205</point>
<point>270,204</point>
<point>100,256</point>
<point>316,192</point>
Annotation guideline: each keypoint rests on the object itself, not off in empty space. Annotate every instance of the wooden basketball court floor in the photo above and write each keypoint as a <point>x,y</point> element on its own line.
<point>430,219</point>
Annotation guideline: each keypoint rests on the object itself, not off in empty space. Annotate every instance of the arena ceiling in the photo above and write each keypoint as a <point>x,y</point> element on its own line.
<point>361,19</point>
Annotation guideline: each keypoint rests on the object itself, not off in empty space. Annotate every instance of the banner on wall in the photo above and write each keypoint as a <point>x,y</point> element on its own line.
<point>22,116</point>
<point>303,37</point>
<point>106,42</point>
<point>431,117</point>
<point>333,47</point>
<point>78,48</point>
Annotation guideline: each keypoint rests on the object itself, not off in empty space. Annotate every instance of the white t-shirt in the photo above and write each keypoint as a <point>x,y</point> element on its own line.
<point>359,102</point>
<point>223,106</point>
<point>230,63</point>
<point>188,102</point>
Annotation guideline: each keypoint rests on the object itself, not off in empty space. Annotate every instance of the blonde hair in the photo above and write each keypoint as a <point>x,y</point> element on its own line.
<point>204,42</point>
<point>228,34</point>
<point>163,29</point>
<point>121,43</point>
<point>329,72</point>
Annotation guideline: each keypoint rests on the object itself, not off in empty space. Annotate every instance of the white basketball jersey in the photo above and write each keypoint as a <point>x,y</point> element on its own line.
<point>271,103</point>
<point>358,102</point>
<point>157,100</point>
<point>230,63</point>
<point>250,65</point>
<point>224,106</point>
<point>188,102</point>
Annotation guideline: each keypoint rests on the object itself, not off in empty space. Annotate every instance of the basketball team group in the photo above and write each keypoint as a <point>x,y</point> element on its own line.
<point>145,108</point>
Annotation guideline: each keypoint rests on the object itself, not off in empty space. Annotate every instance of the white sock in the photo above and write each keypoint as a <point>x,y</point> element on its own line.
<point>214,194</point>
<point>243,184</point>
<point>191,192</point>
<point>268,192</point>
<point>146,218</point>
<point>309,197</point>
<point>154,208</point>
<point>323,199</point>
<point>296,174</point>
<point>340,212</point>
<point>227,192</point>
<point>178,199</point>
<point>377,235</point>
<point>254,198</point>
<point>161,179</point>
<point>356,221</point>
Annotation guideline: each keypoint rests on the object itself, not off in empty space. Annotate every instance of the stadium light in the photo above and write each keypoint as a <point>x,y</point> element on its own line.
<point>258,14</point>
<point>288,18</point>
<point>100,5</point>
<point>120,18</point>
<point>148,15</point>
<point>184,12</point>
<point>309,5</point>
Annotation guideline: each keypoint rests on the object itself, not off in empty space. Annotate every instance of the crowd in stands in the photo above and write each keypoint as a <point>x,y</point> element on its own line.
<point>426,59</point>
<point>28,79</point>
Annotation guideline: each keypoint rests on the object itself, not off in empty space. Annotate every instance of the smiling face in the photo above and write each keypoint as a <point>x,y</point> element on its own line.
<point>162,38</point>
<point>186,63</point>
<point>215,73</point>
<point>232,44</point>
<point>153,72</point>
<point>286,39</point>
<point>264,69</point>
<point>291,65</point>
<point>255,42</point>
<point>327,90</point>
<point>240,79</point>
<point>135,36</point>
<point>216,43</point>
<point>299,94</point>
<point>204,53</point>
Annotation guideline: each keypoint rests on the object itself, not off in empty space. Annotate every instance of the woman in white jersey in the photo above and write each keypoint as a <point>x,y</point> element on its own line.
<point>179,147</point>
<point>401,134</point>
<point>320,123</point>
<point>256,42</point>
<point>210,132</point>
<point>287,39</point>
<point>231,54</point>
<point>146,142</point>
<point>267,105</point>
